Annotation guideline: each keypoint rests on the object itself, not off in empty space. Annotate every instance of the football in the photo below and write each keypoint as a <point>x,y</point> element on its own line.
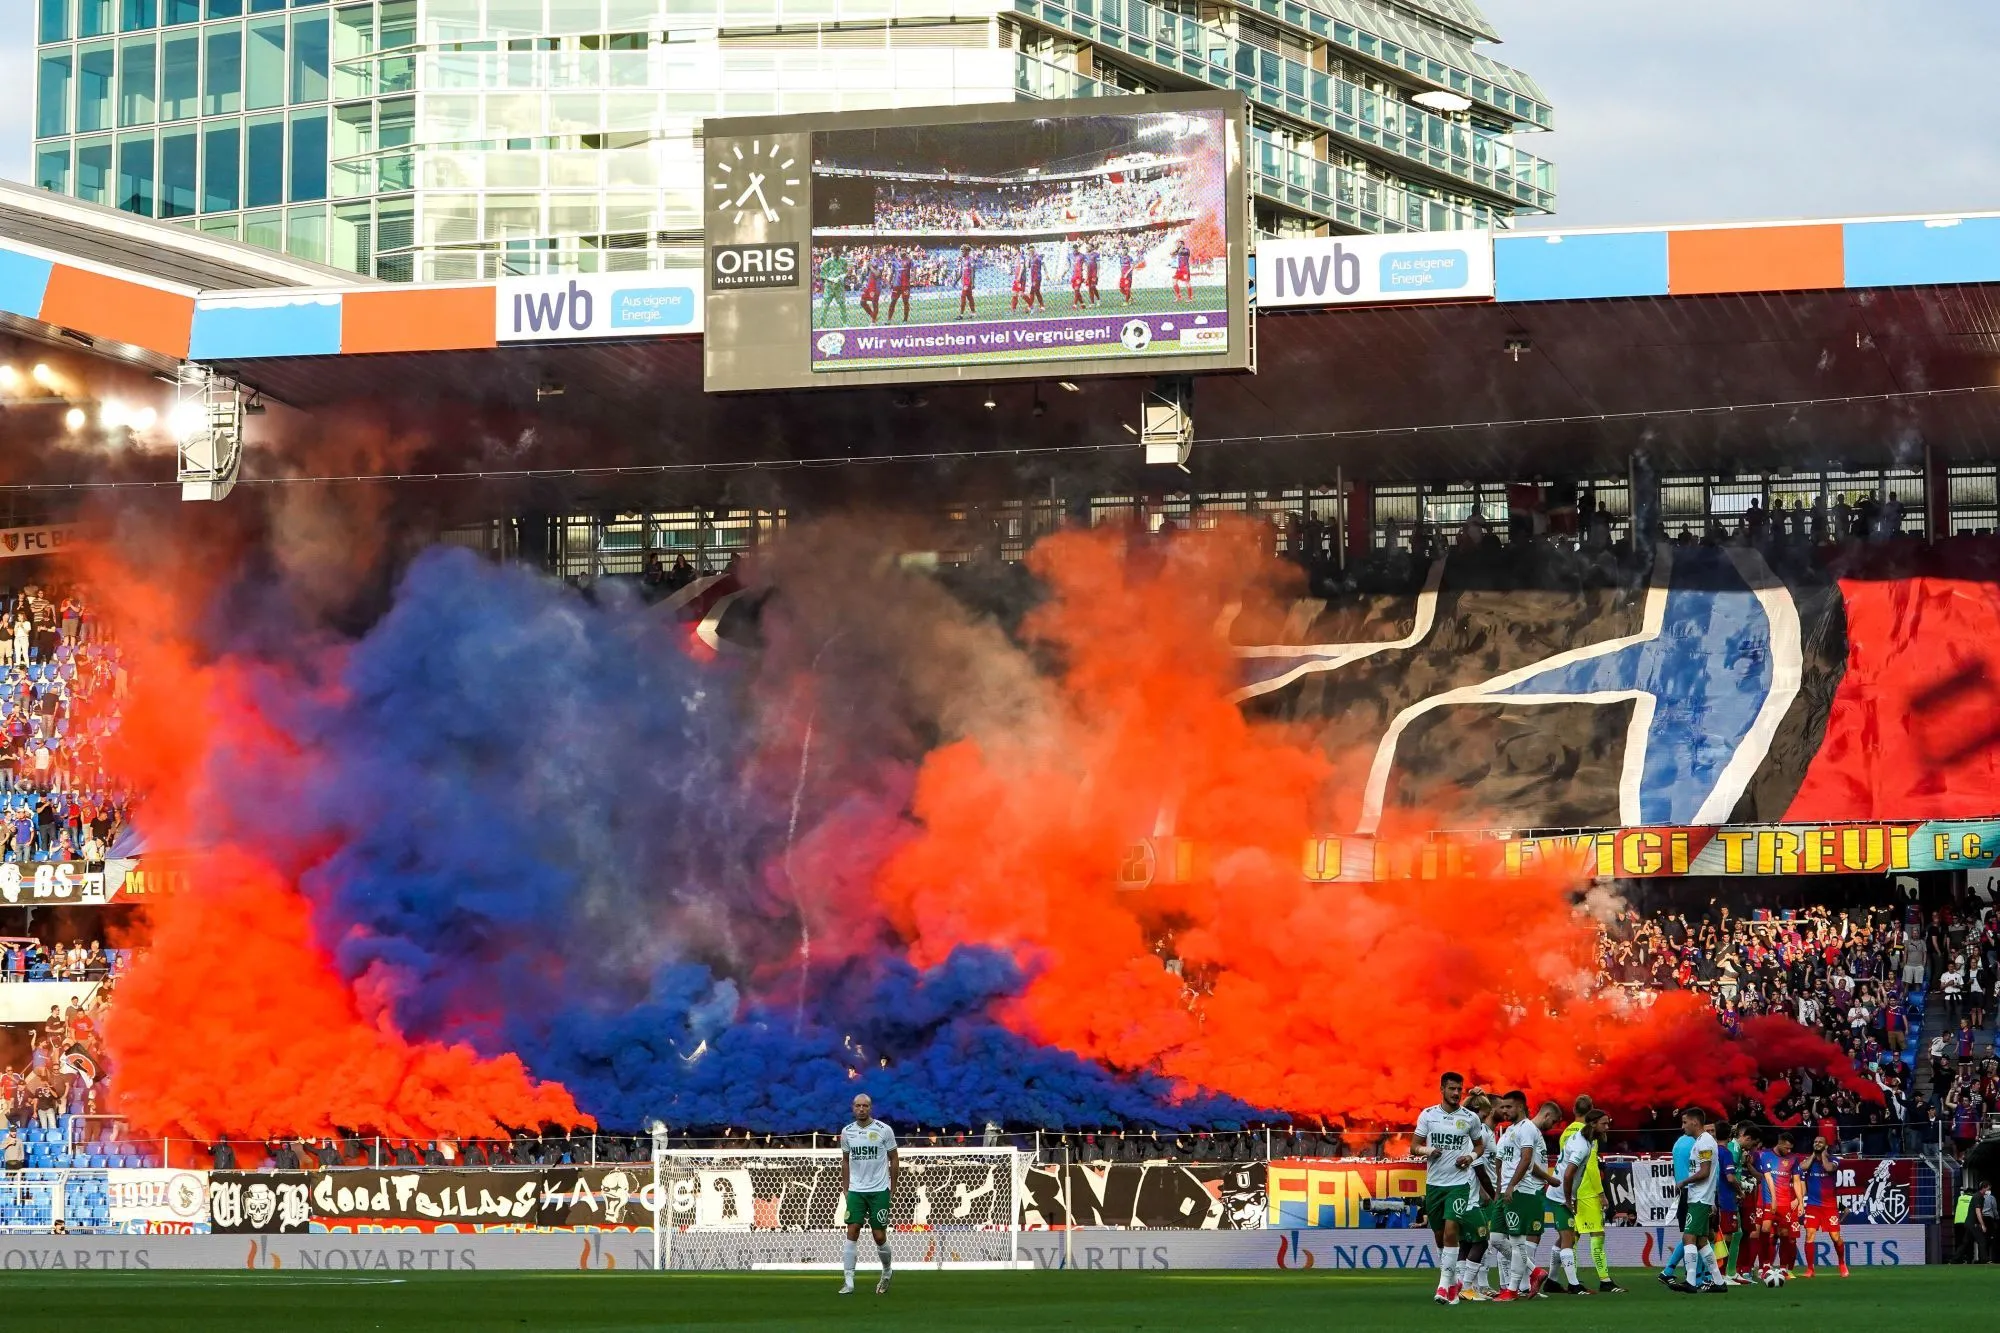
<point>1776,1277</point>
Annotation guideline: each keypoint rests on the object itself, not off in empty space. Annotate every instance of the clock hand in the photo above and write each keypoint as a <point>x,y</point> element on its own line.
<point>756,187</point>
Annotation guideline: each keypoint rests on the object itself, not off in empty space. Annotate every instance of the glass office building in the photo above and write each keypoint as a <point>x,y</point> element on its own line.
<point>458,139</point>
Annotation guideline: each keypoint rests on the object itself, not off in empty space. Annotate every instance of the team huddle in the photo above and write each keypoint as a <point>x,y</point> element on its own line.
<point>1490,1192</point>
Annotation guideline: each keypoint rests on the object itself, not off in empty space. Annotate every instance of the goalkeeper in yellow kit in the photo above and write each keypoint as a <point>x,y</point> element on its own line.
<point>1590,1198</point>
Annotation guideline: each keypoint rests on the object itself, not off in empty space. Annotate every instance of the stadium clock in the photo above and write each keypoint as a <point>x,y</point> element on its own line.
<point>757,181</point>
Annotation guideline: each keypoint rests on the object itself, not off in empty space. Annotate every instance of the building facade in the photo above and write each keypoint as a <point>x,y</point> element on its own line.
<point>432,140</point>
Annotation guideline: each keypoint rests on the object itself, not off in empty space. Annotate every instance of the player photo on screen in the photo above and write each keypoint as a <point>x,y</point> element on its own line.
<point>1098,236</point>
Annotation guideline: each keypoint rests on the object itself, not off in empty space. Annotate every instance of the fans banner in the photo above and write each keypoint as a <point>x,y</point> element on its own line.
<point>1872,1191</point>
<point>157,1201</point>
<point>258,1202</point>
<point>45,540</point>
<point>1146,1195</point>
<point>1321,1193</point>
<point>444,1199</point>
<point>1632,853</point>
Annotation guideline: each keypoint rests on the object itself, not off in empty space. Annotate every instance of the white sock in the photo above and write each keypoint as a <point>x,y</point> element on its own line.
<point>1468,1273</point>
<point>847,1261</point>
<point>1714,1267</point>
<point>1447,1264</point>
<point>1524,1263</point>
<point>883,1251</point>
<point>1567,1258</point>
<point>1496,1261</point>
<point>1690,1263</point>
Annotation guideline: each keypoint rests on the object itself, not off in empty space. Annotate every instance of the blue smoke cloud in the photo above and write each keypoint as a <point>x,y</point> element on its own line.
<point>551,835</point>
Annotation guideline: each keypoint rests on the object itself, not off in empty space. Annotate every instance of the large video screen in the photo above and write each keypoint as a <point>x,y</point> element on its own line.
<point>1071,237</point>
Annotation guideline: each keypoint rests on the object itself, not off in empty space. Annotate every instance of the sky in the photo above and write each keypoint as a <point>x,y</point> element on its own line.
<point>1671,110</point>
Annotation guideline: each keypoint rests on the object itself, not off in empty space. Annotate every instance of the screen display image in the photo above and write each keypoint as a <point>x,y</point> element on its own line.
<point>1063,238</point>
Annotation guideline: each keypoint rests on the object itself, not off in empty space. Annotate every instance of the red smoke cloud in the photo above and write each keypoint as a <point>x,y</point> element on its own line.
<point>1340,1001</point>
<point>232,1022</point>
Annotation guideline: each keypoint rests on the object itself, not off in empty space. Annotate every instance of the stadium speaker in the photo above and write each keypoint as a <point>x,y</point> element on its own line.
<point>1166,421</point>
<point>208,424</point>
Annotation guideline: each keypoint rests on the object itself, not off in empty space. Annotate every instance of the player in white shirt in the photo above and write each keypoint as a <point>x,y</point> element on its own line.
<point>1571,1164</point>
<point>1700,1191</point>
<point>1450,1139</point>
<point>868,1167</point>
<point>1524,1174</point>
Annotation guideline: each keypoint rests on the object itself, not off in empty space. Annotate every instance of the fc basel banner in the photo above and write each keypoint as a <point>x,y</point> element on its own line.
<point>1708,710</point>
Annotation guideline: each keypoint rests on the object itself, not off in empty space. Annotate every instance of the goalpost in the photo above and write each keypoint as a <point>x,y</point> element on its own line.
<point>783,1208</point>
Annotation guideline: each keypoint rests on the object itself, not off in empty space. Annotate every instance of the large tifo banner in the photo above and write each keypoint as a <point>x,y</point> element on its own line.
<point>1715,712</point>
<point>1196,1196</point>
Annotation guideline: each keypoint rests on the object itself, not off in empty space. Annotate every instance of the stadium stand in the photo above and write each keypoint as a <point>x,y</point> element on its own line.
<point>61,690</point>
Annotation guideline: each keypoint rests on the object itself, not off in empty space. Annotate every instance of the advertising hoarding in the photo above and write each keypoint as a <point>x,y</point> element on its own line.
<point>1373,270</point>
<point>1046,239</point>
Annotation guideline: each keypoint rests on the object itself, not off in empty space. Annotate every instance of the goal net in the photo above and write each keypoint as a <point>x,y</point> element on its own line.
<point>784,1208</point>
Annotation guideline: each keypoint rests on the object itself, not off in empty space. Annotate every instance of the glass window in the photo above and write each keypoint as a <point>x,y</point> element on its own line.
<point>514,18</point>
<point>221,168</point>
<point>265,6</point>
<point>93,171</point>
<point>264,65</point>
<point>309,52</point>
<point>354,31</point>
<point>223,93</point>
<point>52,95</point>
<point>308,155</point>
<point>177,173</point>
<point>225,9</point>
<point>399,24</point>
<point>567,16</point>
<point>264,170</point>
<point>180,11</point>
<point>451,21</point>
<point>52,169</point>
<point>95,67</point>
<point>305,234</point>
<point>55,28</point>
<point>95,18</point>
<point>265,229</point>
<point>135,174</point>
<point>138,15</point>
<point>180,77</point>
<point>138,77</point>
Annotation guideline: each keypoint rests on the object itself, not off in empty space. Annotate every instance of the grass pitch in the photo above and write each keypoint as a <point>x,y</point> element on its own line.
<point>219,1302</point>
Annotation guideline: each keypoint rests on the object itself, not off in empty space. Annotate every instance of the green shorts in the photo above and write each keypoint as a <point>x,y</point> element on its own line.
<point>1476,1225</point>
<point>868,1208</point>
<point>1447,1203</point>
<point>1700,1220</point>
<point>1520,1215</point>
<point>1560,1216</point>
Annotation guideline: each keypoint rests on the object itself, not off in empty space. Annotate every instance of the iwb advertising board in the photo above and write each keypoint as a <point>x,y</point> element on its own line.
<point>1371,270</point>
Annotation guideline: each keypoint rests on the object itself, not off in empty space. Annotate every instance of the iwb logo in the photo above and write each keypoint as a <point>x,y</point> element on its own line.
<point>552,311</point>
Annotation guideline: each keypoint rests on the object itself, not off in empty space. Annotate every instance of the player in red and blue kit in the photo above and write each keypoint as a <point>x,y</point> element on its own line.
<point>1090,258</point>
<point>967,268</point>
<point>1183,272</point>
<point>1822,1211</point>
<point>1126,263</point>
<point>1020,279</point>
<point>871,290</point>
<point>1035,278</point>
<point>1076,274</point>
<point>1778,1189</point>
<point>900,290</point>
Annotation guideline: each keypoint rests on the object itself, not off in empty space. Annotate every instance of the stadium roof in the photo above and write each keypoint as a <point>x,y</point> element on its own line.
<point>97,277</point>
<point>1713,348</point>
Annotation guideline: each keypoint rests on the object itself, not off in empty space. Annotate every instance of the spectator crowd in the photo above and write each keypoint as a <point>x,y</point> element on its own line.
<point>1114,199</point>
<point>62,691</point>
